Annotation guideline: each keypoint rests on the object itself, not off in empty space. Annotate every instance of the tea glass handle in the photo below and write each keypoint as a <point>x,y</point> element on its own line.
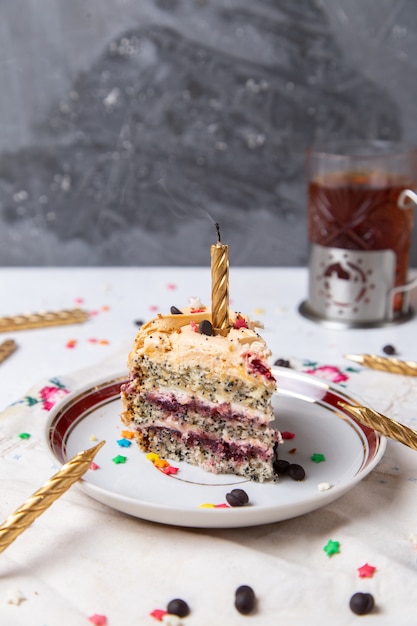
<point>407,199</point>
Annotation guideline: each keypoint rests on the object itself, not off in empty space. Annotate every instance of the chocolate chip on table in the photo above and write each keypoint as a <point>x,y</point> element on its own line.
<point>245,599</point>
<point>139,322</point>
<point>178,607</point>
<point>280,466</point>
<point>361,603</point>
<point>237,497</point>
<point>205,327</point>
<point>389,349</point>
<point>282,363</point>
<point>175,311</point>
<point>296,472</point>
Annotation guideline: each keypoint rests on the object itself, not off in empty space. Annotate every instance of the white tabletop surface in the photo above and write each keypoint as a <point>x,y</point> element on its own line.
<point>82,558</point>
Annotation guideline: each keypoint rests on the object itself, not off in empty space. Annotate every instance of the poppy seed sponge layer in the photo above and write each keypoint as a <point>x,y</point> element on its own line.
<point>205,399</point>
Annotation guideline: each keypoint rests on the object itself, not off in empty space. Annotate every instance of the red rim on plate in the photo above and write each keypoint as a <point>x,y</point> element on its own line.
<point>308,404</point>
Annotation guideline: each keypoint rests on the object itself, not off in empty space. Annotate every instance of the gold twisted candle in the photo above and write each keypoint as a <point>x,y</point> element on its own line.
<point>383,424</point>
<point>220,286</point>
<point>23,517</point>
<point>42,320</point>
<point>384,364</point>
<point>6,349</point>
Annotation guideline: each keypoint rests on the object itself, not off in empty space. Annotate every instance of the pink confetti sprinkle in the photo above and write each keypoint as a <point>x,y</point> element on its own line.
<point>153,307</point>
<point>171,286</point>
<point>79,300</point>
<point>221,506</point>
<point>170,469</point>
<point>71,343</point>
<point>94,466</point>
<point>92,340</point>
<point>194,326</point>
<point>287,435</point>
<point>98,620</point>
<point>240,323</point>
<point>158,614</point>
<point>366,571</point>
<point>93,313</point>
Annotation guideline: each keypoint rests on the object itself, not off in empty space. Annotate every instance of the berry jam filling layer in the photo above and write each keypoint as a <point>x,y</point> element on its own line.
<point>215,447</point>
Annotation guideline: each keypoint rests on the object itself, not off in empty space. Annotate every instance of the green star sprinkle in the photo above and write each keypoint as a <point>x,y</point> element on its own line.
<point>24,435</point>
<point>332,547</point>
<point>317,457</point>
<point>119,459</point>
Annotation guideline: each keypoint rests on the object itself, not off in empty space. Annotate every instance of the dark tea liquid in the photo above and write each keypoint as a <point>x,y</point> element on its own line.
<point>358,211</point>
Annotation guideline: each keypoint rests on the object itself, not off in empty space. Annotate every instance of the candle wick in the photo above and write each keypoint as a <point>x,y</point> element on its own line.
<point>218,232</point>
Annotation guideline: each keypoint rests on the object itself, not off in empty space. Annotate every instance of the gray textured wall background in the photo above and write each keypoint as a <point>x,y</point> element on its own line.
<point>122,122</point>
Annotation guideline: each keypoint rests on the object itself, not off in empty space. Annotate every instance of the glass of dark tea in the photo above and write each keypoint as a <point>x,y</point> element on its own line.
<point>361,198</point>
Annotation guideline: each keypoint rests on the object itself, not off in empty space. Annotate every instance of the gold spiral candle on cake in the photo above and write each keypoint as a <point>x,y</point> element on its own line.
<point>383,424</point>
<point>384,364</point>
<point>23,517</point>
<point>220,286</point>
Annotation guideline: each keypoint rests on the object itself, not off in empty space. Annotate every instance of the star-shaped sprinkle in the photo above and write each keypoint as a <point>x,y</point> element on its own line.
<point>332,547</point>
<point>171,620</point>
<point>98,620</point>
<point>366,571</point>
<point>127,434</point>
<point>317,457</point>
<point>195,303</point>
<point>210,505</point>
<point>119,459</point>
<point>24,435</point>
<point>161,463</point>
<point>324,486</point>
<point>158,614</point>
<point>124,443</point>
<point>170,469</point>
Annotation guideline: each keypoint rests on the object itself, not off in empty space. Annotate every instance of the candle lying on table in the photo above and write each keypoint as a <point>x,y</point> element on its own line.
<point>220,286</point>
<point>7,348</point>
<point>384,364</point>
<point>58,484</point>
<point>42,320</point>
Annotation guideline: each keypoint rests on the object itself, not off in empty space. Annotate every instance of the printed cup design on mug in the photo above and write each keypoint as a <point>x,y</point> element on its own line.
<point>349,284</point>
<point>346,278</point>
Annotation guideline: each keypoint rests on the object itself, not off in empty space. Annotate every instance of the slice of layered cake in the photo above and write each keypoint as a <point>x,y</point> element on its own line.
<point>202,398</point>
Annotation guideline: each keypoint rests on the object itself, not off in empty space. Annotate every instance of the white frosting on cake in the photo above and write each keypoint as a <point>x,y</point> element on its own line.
<point>175,338</point>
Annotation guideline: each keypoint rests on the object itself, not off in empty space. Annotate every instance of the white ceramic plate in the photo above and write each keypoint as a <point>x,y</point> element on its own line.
<point>305,406</point>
